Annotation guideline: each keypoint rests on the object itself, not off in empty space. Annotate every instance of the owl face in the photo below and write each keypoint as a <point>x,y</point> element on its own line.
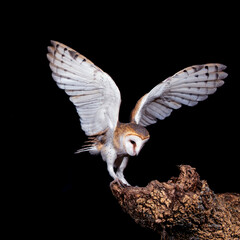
<point>133,144</point>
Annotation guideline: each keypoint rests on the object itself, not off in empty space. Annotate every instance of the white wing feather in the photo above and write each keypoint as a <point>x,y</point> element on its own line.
<point>187,87</point>
<point>92,91</point>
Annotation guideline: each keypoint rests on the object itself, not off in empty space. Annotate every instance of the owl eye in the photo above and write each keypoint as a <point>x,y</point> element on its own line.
<point>132,142</point>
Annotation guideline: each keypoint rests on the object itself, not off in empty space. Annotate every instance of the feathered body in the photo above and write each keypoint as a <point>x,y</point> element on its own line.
<point>97,100</point>
<point>96,143</point>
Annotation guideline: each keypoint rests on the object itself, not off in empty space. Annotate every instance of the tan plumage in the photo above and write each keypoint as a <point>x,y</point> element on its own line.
<point>97,100</point>
<point>124,129</point>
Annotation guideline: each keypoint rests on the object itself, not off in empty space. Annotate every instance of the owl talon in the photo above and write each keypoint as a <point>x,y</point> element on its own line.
<point>121,184</point>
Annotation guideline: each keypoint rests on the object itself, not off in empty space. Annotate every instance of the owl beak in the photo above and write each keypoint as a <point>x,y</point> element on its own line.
<point>135,152</point>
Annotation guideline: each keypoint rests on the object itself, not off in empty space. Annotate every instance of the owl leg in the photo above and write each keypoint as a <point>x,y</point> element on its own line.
<point>120,170</point>
<point>111,169</point>
<point>109,156</point>
<point>119,175</point>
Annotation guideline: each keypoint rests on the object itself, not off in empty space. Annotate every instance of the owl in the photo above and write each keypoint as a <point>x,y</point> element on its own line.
<point>97,100</point>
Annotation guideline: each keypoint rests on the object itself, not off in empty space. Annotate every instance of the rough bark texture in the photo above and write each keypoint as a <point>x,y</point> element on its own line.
<point>182,208</point>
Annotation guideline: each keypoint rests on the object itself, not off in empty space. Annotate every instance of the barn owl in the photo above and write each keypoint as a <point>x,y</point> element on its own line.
<point>97,100</point>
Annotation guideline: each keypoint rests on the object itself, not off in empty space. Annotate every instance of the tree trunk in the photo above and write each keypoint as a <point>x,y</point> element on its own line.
<point>182,208</point>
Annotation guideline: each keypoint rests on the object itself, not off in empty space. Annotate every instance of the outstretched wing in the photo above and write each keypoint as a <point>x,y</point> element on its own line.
<point>92,91</point>
<point>187,87</point>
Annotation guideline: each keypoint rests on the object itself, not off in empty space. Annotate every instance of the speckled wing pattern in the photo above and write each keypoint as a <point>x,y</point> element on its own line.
<point>92,91</point>
<point>186,87</point>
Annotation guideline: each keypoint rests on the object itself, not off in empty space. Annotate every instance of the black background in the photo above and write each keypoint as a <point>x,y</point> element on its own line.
<point>68,194</point>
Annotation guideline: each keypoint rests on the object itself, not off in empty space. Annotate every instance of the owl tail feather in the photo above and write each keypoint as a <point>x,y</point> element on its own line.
<point>94,144</point>
<point>85,149</point>
<point>89,146</point>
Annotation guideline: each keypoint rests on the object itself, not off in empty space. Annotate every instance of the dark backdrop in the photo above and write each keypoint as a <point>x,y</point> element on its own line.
<point>68,194</point>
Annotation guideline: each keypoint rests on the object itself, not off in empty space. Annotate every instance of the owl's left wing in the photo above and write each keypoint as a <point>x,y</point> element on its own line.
<point>187,87</point>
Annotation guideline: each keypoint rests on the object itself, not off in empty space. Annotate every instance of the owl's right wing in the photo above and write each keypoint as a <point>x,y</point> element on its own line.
<point>92,91</point>
<point>186,87</point>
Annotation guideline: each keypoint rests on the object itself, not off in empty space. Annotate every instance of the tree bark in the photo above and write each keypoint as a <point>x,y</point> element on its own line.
<point>182,208</point>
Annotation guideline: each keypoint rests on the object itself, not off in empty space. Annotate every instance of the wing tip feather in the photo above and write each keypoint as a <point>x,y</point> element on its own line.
<point>54,43</point>
<point>223,67</point>
<point>222,75</point>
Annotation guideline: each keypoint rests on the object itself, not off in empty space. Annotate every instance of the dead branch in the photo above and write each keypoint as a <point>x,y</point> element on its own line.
<point>182,208</point>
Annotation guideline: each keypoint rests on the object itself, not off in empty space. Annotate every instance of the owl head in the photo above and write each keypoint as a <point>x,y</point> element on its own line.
<point>133,138</point>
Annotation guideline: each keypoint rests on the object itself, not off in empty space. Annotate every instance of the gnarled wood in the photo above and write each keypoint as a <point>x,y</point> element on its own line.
<point>182,208</point>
